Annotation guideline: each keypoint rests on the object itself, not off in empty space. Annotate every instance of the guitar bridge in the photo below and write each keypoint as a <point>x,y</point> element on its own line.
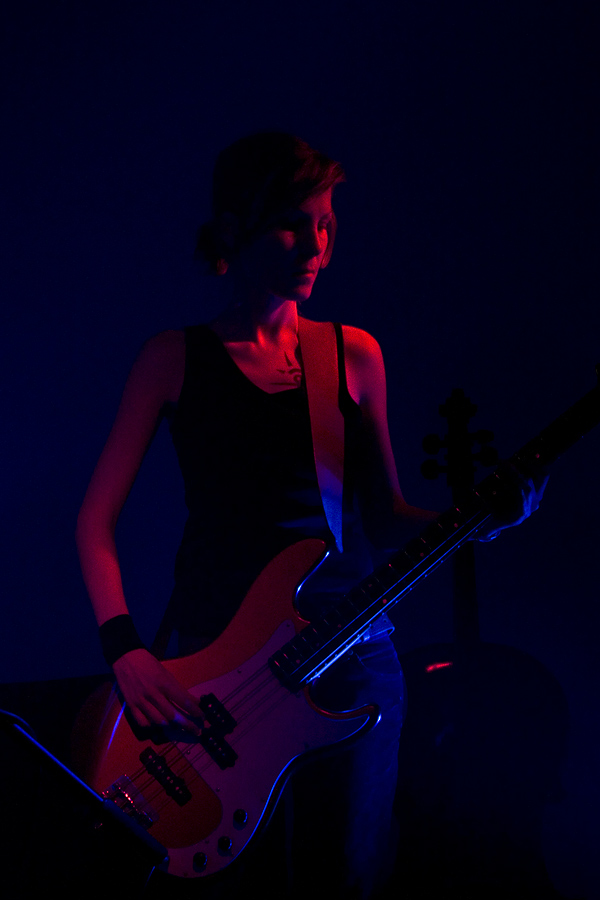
<point>126,796</point>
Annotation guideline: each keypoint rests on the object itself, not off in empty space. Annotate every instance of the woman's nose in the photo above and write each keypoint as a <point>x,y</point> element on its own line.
<point>313,241</point>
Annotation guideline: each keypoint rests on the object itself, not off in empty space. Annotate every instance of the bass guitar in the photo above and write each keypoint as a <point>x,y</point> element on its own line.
<point>205,797</point>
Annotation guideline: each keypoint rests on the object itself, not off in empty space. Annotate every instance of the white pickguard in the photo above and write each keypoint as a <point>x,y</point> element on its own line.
<point>275,728</point>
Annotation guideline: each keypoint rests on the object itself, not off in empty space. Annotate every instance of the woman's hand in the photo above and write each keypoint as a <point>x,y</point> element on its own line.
<point>518,496</point>
<point>153,695</point>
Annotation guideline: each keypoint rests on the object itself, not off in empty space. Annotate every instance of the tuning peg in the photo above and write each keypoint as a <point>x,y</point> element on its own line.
<point>431,469</point>
<point>432,444</point>
<point>487,456</point>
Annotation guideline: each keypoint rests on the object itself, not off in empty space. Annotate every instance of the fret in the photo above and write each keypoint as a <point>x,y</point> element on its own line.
<point>387,576</point>
<point>359,598</point>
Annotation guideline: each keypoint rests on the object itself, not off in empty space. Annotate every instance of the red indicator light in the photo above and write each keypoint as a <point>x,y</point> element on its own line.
<point>440,665</point>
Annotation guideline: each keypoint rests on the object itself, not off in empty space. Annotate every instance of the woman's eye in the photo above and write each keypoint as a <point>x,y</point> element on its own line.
<point>295,224</point>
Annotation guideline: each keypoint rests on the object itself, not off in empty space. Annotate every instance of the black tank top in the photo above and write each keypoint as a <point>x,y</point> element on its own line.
<point>251,489</point>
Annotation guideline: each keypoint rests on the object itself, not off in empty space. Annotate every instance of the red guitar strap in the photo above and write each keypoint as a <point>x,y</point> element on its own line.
<point>318,347</point>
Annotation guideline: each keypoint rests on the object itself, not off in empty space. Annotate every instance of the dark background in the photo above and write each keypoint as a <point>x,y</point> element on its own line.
<point>467,245</point>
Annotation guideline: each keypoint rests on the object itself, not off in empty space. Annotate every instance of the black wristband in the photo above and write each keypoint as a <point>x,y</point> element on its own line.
<point>117,637</point>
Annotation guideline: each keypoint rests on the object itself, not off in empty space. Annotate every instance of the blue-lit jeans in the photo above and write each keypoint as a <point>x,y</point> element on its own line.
<point>343,839</point>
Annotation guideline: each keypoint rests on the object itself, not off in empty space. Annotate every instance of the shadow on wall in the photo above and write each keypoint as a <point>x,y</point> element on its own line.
<point>480,757</point>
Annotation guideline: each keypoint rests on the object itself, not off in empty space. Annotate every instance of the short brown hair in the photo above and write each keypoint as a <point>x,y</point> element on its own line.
<point>259,177</point>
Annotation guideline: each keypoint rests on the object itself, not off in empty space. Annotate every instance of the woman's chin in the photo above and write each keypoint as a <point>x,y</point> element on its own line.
<point>301,292</point>
<point>296,295</point>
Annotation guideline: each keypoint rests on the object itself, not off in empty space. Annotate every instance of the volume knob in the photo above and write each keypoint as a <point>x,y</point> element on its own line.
<point>240,818</point>
<point>225,844</point>
<point>200,861</point>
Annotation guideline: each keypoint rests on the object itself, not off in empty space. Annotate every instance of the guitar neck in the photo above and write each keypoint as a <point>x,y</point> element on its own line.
<point>320,644</point>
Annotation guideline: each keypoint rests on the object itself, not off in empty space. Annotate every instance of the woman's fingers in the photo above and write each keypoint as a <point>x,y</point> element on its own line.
<point>174,707</point>
<point>141,719</point>
<point>516,497</point>
<point>153,695</point>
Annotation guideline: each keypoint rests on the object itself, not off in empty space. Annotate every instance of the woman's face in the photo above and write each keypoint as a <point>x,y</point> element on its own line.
<point>284,260</point>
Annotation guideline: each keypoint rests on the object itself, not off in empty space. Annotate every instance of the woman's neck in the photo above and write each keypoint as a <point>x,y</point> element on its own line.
<point>263,321</point>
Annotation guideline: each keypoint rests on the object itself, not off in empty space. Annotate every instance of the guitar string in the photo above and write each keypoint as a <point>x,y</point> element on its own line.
<point>245,725</point>
<point>203,760</point>
<point>265,710</point>
<point>198,770</point>
<point>180,762</point>
<point>172,745</point>
<point>173,753</point>
<point>191,767</point>
<point>185,766</point>
<point>173,750</point>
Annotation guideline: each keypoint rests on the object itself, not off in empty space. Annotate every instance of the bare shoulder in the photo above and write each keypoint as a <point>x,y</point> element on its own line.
<point>164,348</point>
<point>364,364</point>
<point>160,364</point>
<point>360,345</point>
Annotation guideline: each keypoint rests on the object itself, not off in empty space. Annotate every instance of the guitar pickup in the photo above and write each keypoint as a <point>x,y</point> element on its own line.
<point>218,749</point>
<point>216,714</point>
<point>157,766</point>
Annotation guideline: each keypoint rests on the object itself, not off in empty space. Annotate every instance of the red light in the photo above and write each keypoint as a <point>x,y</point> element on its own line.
<point>434,666</point>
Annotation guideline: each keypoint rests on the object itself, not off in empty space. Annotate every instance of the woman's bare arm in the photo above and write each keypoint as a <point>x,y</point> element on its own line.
<point>389,520</point>
<point>153,695</point>
<point>151,382</point>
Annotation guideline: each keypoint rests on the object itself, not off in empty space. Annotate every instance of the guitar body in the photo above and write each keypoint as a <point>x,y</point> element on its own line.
<point>205,798</point>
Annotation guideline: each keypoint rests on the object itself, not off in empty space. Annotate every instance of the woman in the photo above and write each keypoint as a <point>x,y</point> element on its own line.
<point>234,393</point>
